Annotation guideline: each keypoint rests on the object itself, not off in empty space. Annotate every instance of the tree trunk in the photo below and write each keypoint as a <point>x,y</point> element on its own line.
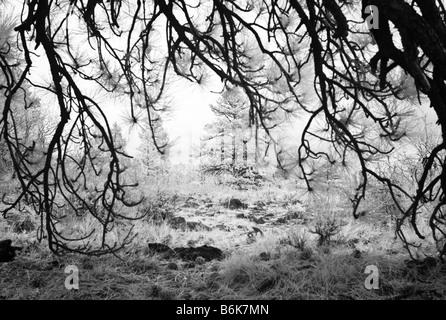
<point>256,138</point>
<point>245,153</point>
<point>233,151</point>
<point>222,147</point>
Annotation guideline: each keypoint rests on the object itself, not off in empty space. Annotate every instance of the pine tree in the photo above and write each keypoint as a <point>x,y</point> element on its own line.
<point>153,161</point>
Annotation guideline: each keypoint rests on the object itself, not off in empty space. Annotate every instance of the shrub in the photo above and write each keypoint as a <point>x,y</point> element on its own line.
<point>158,208</point>
<point>306,254</point>
<point>326,226</point>
<point>297,239</point>
<point>242,177</point>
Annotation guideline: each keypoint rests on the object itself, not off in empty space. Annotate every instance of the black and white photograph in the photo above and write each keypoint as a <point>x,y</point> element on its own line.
<point>229,151</point>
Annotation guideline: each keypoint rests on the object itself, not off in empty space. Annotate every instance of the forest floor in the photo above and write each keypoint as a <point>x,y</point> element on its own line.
<point>285,261</point>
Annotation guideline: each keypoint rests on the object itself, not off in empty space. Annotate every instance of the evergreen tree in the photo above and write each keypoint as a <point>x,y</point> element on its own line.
<point>154,162</point>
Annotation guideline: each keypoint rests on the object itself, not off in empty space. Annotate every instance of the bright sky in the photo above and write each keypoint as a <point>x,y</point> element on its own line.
<point>190,113</point>
<point>190,109</point>
<point>190,103</point>
<point>190,106</point>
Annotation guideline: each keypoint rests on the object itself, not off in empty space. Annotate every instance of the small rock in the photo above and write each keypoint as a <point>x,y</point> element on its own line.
<point>181,224</point>
<point>191,203</point>
<point>189,265</point>
<point>259,220</point>
<point>200,260</point>
<point>240,216</point>
<point>269,215</point>
<point>187,296</point>
<point>7,251</point>
<point>295,215</point>
<point>177,222</point>
<point>191,243</point>
<point>235,204</point>
<point>161,249</point>
<point>208,253</point>
<point>259,204</point>
<point>55,264</point>
<point>362,213</point>
<point>281,220</point>
<point>254,232</point>
<point>194,226</point>
<point>172,266</point>
<point>265,256</point>
<point>223,227</point>
<point>357,254</point>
